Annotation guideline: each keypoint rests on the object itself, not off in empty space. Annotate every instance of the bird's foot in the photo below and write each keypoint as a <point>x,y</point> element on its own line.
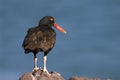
<point>45,70</point>
<point>35,69</point>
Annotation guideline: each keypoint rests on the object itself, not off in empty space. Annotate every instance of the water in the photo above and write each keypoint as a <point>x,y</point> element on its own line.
<point>91,48</point>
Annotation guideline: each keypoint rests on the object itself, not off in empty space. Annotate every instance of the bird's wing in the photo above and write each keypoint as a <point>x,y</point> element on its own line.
<point>30,38</point>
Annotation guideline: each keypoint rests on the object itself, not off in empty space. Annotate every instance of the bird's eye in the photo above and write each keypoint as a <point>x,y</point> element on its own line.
<point>51,19</point>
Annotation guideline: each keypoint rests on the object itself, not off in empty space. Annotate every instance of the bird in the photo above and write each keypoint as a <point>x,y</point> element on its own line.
<point>41,38</point>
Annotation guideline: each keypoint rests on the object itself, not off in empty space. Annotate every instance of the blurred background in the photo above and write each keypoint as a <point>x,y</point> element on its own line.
<point>91,47</point>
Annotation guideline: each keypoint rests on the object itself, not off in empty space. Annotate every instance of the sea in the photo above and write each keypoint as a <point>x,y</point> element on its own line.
<point>91,47</point>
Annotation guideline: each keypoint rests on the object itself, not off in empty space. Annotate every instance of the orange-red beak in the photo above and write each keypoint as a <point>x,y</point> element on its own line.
<point>59,28</point>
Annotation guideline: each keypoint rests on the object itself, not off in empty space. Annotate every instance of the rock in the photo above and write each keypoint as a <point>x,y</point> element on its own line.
<point>41,75</point>
<point>82,78</point>
<point>86,78</point>
<point>27,76</point>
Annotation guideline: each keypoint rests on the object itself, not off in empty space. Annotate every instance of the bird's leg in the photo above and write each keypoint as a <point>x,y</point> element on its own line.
<point>44,67</point>
<point>35,63</point>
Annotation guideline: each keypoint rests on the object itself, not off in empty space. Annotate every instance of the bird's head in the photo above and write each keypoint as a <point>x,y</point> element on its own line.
<point>49,20</point>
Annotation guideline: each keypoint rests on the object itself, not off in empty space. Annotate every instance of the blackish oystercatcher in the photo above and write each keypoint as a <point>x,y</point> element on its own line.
<point>41,39</point>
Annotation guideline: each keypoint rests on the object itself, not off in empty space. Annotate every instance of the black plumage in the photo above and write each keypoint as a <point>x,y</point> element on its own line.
<point>41,39</point>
